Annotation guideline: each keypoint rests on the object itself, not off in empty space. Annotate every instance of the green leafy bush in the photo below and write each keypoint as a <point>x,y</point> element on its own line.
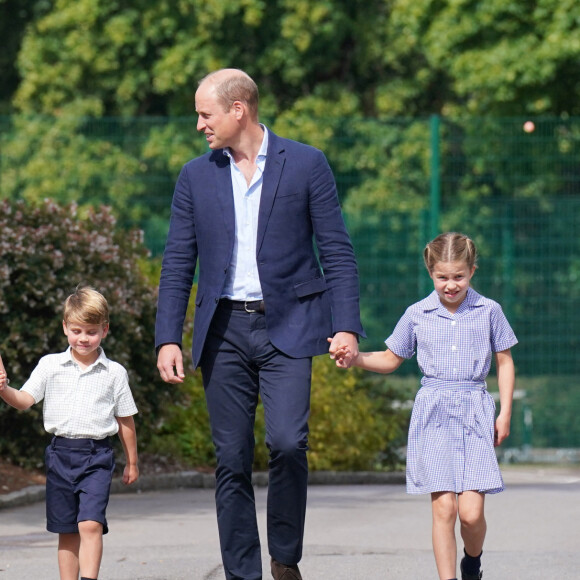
<point>46,250</point>
<point>350,428</point>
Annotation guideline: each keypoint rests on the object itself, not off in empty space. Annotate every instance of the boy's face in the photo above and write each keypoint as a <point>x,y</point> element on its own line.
<point>84,339</point>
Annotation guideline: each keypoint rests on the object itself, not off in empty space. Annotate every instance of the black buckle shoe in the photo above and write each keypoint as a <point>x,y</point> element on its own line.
<point>466,576</point>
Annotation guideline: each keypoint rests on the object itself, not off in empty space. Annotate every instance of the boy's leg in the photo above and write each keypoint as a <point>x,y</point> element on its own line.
<point>444,506</point>
<point>91,548</point>
<point>68,556</point>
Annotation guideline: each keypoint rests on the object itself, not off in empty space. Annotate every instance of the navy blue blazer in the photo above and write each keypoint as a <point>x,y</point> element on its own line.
<point>309,293</point>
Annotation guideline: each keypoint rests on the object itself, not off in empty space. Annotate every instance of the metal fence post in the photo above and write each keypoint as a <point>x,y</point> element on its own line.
<point>435,189</point>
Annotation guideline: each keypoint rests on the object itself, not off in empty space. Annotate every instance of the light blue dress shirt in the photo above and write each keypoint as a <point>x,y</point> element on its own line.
<point>243,281</point>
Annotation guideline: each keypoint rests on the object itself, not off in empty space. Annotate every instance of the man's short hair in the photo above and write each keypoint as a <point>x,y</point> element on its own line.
<point>233,85</point>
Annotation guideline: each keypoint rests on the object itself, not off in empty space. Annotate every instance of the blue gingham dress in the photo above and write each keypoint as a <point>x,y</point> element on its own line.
<point>450,443</point>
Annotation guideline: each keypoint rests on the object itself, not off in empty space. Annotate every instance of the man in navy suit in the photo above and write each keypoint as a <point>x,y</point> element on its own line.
<point>251,211</point>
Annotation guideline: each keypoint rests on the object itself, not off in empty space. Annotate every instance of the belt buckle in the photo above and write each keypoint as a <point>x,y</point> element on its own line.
<point>246,306</point>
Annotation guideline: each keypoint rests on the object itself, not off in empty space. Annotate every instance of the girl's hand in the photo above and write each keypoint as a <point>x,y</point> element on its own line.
<point>3,380</point>
<point>502,429</point>
<point>343,357</point>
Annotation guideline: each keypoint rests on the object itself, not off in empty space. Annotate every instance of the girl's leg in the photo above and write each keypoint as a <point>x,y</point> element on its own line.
<point>91,548</point>
<point>68,556</point>
<point>444,506</point>
<point>472,518</point>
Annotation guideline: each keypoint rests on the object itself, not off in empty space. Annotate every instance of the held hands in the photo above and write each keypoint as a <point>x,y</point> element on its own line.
<point>343,357</point>
<point>343,349</point>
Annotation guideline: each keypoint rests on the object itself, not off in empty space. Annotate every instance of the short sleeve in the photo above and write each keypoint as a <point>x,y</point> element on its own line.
<point>124,402</point>
<point>36,383</point>
<point>403,341</point>
<point>502,335</point>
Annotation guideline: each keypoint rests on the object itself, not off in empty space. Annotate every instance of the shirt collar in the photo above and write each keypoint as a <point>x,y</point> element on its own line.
<point>67,358</point>
<point>472,300</point>
<point>263,147</point>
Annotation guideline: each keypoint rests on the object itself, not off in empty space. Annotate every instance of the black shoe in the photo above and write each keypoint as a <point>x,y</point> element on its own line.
<point>466,576</point>
<point>284,571</point>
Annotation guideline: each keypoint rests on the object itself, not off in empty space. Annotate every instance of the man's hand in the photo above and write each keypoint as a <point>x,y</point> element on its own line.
<point>170,363</point>
<point>344,344</point>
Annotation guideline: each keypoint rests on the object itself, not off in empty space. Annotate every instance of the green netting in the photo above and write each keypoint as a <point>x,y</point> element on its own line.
<point>516,192</point>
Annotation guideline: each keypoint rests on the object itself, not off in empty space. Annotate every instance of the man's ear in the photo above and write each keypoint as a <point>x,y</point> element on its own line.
<point>239,109</point>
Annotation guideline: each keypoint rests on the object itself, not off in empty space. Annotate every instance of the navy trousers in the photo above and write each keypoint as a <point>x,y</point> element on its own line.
<point>238,364</point>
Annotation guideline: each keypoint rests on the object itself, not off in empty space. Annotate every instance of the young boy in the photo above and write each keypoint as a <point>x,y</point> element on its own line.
<point>87,399</point>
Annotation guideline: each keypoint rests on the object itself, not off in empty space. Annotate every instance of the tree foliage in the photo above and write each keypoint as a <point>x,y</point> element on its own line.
<point>395,57</point>
<point>325,68</point>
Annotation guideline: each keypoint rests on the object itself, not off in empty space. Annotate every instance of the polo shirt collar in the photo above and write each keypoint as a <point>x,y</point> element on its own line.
<point>472,300</point>
<point>67,358</point>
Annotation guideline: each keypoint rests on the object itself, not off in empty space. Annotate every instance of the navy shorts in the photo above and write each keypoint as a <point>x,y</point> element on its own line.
<point>78,483</point>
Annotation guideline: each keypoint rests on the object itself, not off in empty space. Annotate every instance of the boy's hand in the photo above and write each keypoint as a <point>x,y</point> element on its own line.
<point>130,474</point>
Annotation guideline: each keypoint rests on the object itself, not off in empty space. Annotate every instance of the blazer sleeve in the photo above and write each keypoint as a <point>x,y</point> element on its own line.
<point>335,249</point>
<point>178,266</point>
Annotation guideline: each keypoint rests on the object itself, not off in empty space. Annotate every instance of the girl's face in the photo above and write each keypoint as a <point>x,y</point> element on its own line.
<point>451,281</point>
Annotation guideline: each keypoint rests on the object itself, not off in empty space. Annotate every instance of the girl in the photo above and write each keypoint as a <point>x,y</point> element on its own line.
<point>451,440</point>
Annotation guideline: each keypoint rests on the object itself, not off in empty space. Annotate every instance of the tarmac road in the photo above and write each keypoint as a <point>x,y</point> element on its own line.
<point>353,532</point>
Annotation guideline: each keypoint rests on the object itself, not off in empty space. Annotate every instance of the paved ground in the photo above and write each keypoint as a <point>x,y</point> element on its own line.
<point>353,532</point>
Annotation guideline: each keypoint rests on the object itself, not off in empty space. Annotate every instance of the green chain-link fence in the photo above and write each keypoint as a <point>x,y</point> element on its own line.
<point>513,187</point>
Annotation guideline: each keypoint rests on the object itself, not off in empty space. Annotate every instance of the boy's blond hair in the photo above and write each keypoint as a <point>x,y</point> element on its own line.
<point>87,306</point>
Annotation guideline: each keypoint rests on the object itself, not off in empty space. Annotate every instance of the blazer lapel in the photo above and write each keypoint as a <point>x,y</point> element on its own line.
<point>275,160</point>
<point>224,192</point>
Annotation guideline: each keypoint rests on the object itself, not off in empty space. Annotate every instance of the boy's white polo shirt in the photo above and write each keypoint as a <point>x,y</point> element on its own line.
<point>81,403</point>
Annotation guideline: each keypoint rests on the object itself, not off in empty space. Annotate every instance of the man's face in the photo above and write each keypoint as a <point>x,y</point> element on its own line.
<point>220,127</point>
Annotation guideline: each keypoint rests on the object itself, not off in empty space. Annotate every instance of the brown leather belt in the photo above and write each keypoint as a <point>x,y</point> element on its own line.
<point>250,306</point>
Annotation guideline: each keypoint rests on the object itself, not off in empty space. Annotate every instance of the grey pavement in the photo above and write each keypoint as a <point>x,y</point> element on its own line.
<point>353,532</point>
